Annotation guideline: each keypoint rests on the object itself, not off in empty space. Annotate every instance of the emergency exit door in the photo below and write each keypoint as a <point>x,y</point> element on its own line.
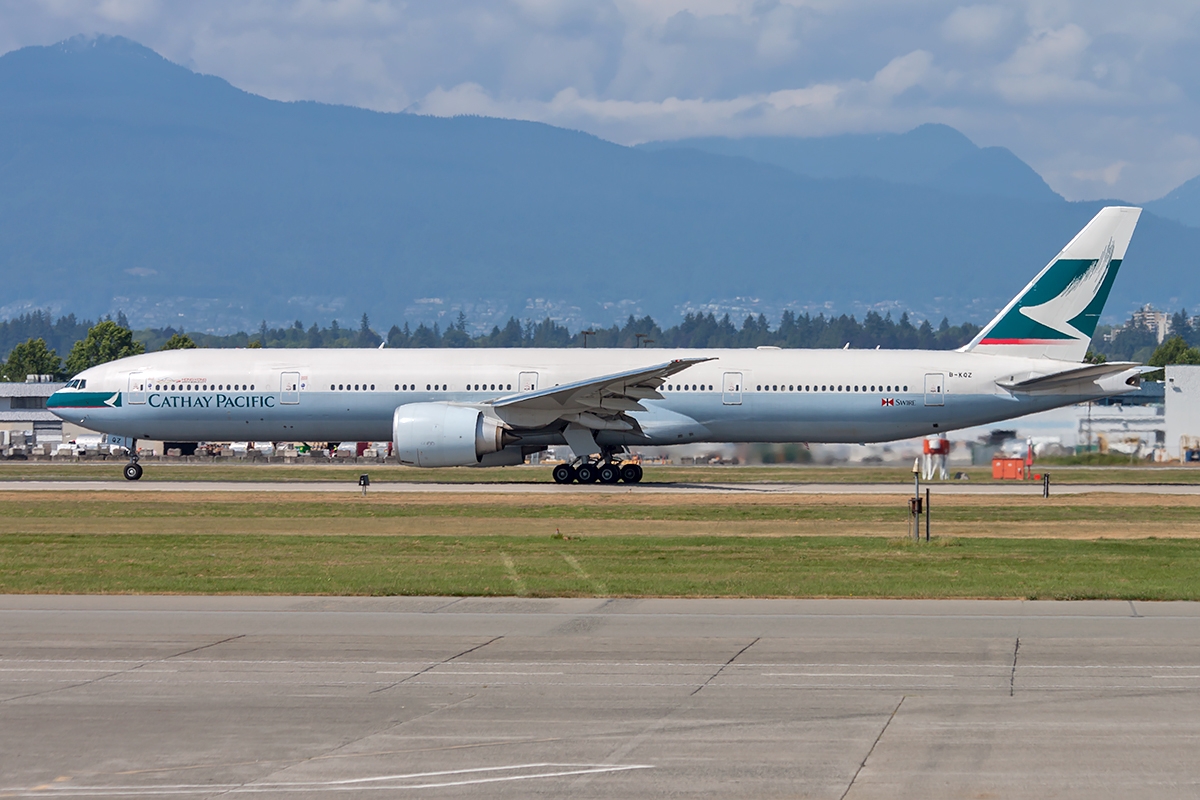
<point>731,389</point>
<point>136,393</point>
<point>527,382</point>
<point>289,388</point>
<point>935,389</point>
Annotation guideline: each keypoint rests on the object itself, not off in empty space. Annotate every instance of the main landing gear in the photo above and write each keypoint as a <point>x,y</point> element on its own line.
<point>609,472</point>
<point>133,470</point>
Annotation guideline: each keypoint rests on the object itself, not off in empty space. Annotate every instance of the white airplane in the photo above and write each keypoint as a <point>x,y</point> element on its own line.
<point>468,407</point>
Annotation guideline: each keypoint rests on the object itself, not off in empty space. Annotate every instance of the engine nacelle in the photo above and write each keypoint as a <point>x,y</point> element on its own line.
<point>444,435</point>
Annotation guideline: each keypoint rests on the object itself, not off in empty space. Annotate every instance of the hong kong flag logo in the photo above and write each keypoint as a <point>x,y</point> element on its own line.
<point>887,401</point>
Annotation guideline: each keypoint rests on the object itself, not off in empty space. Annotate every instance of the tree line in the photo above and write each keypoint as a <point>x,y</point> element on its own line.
<point>32,342</point>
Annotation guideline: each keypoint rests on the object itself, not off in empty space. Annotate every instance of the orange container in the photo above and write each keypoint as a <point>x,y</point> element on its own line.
<point>1008,469</point>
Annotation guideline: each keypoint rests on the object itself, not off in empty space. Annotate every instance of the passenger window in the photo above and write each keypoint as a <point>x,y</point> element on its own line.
<point>758,388</point>
<point>397,387</point>
<point>427,387</point>
<point>508,387</point>
<point>906,388</point>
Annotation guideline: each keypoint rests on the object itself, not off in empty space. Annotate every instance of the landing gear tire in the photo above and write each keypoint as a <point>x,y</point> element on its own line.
<point>133,471</point>
<point>586,473</point>
<point>564,473</point>
<point>631,473</point>
<point>609,473</point>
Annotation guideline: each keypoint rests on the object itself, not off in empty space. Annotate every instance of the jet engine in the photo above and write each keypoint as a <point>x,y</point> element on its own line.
<point>444,435</point>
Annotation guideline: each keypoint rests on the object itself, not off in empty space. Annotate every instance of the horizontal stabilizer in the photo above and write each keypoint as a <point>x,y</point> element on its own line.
<point>1088,373</point>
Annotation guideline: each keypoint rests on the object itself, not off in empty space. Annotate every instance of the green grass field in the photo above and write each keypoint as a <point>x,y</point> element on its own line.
<point>614,545</point>
<point>227,471</point>
<point>622,565</point>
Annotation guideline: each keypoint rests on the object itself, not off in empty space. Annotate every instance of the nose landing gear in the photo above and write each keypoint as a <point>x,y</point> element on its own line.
<point>133,470</point>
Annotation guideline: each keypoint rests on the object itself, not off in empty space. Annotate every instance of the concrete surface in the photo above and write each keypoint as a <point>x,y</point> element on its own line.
<point>1032,488</point>
<point>444,697</point>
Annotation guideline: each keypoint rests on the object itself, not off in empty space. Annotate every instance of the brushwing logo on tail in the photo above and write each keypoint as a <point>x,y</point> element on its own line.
<point>1063,306</point>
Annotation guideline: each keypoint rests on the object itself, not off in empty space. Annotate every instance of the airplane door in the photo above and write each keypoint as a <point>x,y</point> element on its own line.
<point>935,386</point>
<point>731,389</point>
<point>137,389</point>
<point>289,388</point>
<point>527,382</point>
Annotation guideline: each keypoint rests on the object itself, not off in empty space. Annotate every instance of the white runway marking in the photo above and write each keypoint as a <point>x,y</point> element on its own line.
<point>411,781</point>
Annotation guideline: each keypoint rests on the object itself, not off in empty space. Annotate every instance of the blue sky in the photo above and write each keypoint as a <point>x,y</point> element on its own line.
<point>1099,96</point>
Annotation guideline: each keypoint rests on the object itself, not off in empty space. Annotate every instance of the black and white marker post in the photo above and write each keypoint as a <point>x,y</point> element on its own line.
<point>916,501</point>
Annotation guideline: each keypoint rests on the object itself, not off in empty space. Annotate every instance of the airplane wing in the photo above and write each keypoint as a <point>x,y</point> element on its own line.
<point>1083,373</point>
<point>597,403</point>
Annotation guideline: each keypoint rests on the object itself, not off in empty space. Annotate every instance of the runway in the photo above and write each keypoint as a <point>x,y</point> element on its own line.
<point>1030,488</point>
<point>470,697</point>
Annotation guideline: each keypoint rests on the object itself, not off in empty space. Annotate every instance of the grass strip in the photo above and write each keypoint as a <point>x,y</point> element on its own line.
<point>624,565</point>
<point>77,510</point>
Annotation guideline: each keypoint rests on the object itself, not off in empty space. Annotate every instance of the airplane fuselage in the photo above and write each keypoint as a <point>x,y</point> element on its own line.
<point>752,395</point>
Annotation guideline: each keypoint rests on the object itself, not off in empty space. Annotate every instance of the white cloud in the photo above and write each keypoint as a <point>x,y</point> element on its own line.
<point>976,25</point>
<point>1072,86</point>
<point>1108,175</point>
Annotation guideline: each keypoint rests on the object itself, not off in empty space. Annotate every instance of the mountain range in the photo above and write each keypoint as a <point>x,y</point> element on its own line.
<point>127,181</point>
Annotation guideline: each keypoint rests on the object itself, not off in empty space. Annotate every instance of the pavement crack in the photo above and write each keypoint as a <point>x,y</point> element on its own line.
<point>874,744</point>
<point>1133,610</point>
<point>134,668</point>
<point>436,665</point>
<point>192,650</point>
<point>1012,677</point>
<point>721,669</point>
<point>447,605</point>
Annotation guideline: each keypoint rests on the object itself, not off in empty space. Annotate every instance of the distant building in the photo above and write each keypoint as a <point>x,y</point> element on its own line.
<point>23,408</point>
<point>1146,318</point>
<point>1182,409</point>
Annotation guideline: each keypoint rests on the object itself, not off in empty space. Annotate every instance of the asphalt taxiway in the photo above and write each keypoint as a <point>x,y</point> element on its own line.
<point>1007,488</point>
<point>469,697</point>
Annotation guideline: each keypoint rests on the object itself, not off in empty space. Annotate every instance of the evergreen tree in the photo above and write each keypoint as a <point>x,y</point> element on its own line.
<point>1173,351</point>
<point>30,358</point>
<point>106,341</point>
<point>179,341</point>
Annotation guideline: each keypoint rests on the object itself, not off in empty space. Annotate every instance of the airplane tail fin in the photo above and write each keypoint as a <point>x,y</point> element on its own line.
<point>1056,314</point>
